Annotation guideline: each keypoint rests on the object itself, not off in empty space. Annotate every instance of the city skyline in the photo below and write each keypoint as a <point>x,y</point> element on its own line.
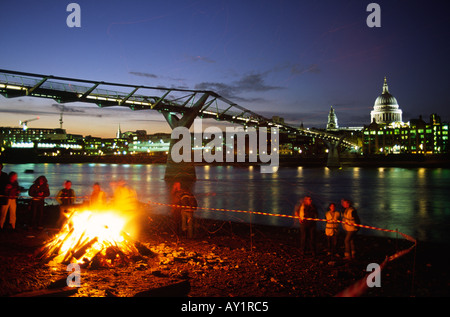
<point>283,58</point>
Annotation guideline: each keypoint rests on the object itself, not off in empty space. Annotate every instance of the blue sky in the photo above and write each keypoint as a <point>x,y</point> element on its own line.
<point>289,58</point>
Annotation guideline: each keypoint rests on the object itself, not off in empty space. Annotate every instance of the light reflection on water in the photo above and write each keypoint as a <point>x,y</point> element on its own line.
<point>413,200</point>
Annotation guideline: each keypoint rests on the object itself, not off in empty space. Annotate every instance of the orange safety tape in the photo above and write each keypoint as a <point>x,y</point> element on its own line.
<point>223,209</point>
<point>282,216</point>
<point>358,288</point>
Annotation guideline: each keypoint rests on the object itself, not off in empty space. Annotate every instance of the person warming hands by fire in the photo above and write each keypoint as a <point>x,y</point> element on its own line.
<point>98,197</point>
<point>184,204</point>
<point>124,198</point>
<point>66,199</point>
<point>12,191</point>
<point>38,192</point>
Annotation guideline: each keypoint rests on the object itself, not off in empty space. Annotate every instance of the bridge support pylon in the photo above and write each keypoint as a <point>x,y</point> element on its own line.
<point>183,171</point>
<point>333,160</point>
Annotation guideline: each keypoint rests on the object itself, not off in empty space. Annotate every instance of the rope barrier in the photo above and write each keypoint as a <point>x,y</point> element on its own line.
<point>359,287</point>
<point>355,290</point>
<point>284,216</point>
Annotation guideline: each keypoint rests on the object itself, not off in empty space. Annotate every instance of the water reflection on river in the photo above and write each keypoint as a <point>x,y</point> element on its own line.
<point>415,201</point>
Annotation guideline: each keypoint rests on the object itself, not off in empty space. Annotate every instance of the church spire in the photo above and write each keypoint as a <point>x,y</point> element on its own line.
<point>385,86</point>
<point>332,123</point>
<point>119,133</point>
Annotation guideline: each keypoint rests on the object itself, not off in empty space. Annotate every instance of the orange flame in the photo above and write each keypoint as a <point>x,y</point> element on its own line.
<point>87,232</point>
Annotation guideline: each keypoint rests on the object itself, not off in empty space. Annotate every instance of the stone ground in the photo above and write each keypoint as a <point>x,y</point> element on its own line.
<point>231,260</point>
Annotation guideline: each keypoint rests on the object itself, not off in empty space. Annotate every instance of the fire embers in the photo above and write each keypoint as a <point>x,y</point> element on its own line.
<point>94,239</point>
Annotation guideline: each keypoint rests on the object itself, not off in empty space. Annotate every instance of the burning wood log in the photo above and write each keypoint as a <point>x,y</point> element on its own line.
<point>139,247</point>
<point>98,261</point>
<point>94,240</point>
<point>143,250</point>
<point>80,252</point>
<point>53,248</point>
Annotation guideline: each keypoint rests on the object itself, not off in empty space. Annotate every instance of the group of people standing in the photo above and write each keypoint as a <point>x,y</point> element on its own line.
<point>39,191</point>
<point>307,214</point>
<point>183,206</point>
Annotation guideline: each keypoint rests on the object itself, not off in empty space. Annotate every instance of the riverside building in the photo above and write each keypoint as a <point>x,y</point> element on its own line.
<point>388,134</point>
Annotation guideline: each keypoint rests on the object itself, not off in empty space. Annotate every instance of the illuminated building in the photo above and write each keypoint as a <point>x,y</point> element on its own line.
<point>141,142</point>
<point>158,142</point>
<point>32,138</point>
<point>105,146</point>
<point>386,109</point>
<point>388,134</point>
<point>24,138</point>
<point>48,147</point>
<point>414,137</point>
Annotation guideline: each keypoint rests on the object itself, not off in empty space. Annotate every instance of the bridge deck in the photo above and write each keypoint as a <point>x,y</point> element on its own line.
<point>104,94</point>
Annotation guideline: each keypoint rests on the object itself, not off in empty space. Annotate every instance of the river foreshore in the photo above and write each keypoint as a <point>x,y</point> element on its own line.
<point>233,260</point>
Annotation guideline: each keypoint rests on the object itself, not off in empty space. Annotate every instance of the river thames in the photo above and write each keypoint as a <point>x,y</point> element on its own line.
<point>415,201</point>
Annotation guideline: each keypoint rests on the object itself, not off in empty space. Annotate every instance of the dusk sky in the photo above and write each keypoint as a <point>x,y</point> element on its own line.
<point>293,59</point>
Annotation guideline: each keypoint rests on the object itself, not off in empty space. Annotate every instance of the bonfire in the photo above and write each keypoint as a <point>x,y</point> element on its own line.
<point>93,238</point>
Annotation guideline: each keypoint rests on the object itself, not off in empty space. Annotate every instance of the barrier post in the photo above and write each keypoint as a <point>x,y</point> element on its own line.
<point>251,234</point>
<point>396,240</point>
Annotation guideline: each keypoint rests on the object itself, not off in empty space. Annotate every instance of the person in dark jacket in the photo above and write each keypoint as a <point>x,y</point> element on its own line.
<point>38,192</point>
<point>12,191</point>
<point>303,210</point>
<point>3,181</point>
<point>184,204</point>
<point>66,198</point>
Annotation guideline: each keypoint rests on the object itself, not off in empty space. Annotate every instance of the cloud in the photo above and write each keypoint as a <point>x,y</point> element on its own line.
<point>247,84</point>
<point>162,120</point>
<point>141,74</point>
<point>297,117</point>
<point>254,82</point>
<point>64,108</point>
<point>25,111</point>
<point>154,76</point>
